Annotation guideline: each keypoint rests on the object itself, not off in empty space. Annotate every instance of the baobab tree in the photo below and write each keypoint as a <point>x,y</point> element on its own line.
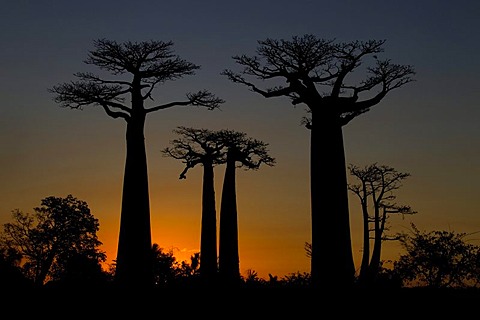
<point>202,147</point>
<point>314,72</point>
<point>137,67</point>
<point>242,152</point>
<point>375,190</point>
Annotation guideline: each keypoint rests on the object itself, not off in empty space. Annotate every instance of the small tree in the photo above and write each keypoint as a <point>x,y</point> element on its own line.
<point>11,275</point>
<point>375,191</point>
<point>146,65</point>
<point>170,273</point>
<point>60,230</point>
<point>164,267</point>
<point>438,259</point>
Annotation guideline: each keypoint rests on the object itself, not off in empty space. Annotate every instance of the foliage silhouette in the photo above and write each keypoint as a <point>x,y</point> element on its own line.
<point>148,64</point>
<point>55,241</point>
<point>438,260</point>
<point>315,72</point>
<point>375,190</point>
<point>169,273</point>
<point>11,275</point>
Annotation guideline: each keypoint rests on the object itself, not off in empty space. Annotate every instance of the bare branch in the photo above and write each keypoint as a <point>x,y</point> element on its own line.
<point>309,65</point>
<point>201,98</point>
<point>76,95</point>
<point>196,146</point>
<point>250,153</point>
<point>90,77</point>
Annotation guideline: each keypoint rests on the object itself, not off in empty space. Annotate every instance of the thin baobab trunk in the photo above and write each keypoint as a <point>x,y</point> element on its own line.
<point>208,241</point>
<point>250,154</point>
<point>229,264</point>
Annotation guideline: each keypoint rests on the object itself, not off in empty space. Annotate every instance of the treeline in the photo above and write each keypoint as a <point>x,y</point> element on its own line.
<point>57,247</point>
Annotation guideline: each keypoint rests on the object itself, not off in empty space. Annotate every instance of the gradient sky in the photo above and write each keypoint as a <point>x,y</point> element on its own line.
<point>428,128</point>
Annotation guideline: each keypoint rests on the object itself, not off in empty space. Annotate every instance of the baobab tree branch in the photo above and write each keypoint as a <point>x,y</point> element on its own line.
<point>189,164</point>
<point>252,67</point>
<point>362,106</point>
<point>90,77</point>
<point>338,83</point>
<point>204,99</point>
<point>168,105</point>
<point>114,114</point>
<point>148,94</point>
<point>183,173</point>
<point>112,104</point>
<point>318,79</point>
<point>349,116</point>
<point>170,70</point>
<point>269,93</point>
<point>201,98</point>
<point>391,76</point>
<point>80,93</point>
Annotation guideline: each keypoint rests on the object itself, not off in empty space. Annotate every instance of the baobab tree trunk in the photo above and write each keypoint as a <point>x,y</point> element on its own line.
<point>134,257</point>
<point>229,264</point>
<point>208,238</point>
<point>363,276</point>
<point>332,264</point>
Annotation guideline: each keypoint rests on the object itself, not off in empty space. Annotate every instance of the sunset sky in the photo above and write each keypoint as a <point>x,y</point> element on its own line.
<point>429,128</point>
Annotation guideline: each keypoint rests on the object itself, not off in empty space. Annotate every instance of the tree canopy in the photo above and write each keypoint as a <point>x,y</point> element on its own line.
<point>438,259</point>
<point>149,63</point>
<point>48,241</point>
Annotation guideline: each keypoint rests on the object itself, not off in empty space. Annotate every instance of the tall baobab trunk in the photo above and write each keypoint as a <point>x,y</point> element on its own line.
<point>208,241</point>
<point>334,266</point>
<point>134,256</point>
<point>229,264</point>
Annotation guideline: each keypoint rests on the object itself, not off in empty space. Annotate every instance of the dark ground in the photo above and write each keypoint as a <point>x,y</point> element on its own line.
<point>265,303</point>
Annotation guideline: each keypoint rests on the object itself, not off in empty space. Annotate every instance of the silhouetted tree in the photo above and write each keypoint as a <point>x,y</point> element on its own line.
<point>241,152</point>
<point>202,146</point>
<point>438,259</point>
<point>170,273</point>
<point>80,271</point>
<point>375,191</point>
<point>252,280</point>
<point>315,72</point>
<point>60,230</point>
<point>11,275</point>
<point>164,269</point>
<point>297,280</point>
<point>147,64</point>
